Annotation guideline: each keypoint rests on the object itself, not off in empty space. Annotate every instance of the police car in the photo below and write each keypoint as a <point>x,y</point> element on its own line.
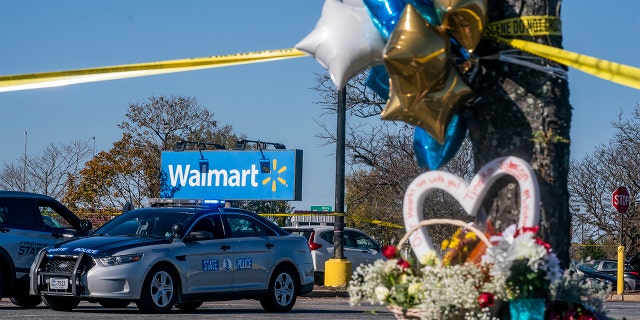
<point>28,223</point>
<point>161,257</point>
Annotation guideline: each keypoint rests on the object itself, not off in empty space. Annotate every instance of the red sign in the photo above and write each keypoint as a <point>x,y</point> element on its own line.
<point>620,199</point>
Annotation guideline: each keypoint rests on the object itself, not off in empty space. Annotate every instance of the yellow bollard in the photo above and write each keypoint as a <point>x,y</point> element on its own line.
<point>337,272</point>
<point>620,283</point>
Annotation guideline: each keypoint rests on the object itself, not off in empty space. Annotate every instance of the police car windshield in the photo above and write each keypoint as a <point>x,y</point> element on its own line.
<point>144,223</point>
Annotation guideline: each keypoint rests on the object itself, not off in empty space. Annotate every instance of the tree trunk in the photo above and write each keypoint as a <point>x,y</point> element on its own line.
<point>525,113</point>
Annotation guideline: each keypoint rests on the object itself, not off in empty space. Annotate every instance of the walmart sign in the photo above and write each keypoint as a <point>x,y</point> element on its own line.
<point>232,175</point>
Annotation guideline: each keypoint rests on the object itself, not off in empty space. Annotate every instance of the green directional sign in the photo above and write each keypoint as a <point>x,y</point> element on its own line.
<point>321,208</point>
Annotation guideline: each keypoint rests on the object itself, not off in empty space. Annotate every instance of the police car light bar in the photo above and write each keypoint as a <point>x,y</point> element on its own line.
<point>159,202</point>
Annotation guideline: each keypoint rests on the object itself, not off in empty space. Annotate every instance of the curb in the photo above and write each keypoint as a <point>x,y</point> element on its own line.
<point>623,298</point>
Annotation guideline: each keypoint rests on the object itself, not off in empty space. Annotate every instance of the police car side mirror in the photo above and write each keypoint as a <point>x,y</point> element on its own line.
<point>85,225</point>
<point>177,230</point>
<point>198,236</point>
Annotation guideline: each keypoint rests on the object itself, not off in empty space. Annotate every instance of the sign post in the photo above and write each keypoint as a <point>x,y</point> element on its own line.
<point>620,201</point>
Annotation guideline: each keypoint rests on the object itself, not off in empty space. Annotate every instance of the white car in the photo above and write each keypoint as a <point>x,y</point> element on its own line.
<point>359,248</point>
<point>176,256</point>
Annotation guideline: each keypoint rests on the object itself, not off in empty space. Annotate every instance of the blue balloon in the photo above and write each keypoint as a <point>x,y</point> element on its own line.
<point>432,155</point>
<point>385,14</point>
<point>378,81</point>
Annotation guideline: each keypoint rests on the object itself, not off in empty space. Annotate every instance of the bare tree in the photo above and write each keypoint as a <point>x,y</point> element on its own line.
<point>130,171</point>
<point>597,175</point>
<point>47,172</point>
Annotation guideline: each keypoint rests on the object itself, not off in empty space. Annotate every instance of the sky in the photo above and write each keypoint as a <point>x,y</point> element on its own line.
<point>270,101</point>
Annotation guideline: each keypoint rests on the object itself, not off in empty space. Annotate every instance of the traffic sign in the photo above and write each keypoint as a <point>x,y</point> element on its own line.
<point>321,208</point>
<point>620,199</point>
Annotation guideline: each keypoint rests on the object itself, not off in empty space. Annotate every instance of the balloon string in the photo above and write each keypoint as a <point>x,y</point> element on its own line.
<point>509,57</point>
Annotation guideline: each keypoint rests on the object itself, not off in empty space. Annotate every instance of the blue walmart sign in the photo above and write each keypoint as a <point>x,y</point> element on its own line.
<point>232,175</point>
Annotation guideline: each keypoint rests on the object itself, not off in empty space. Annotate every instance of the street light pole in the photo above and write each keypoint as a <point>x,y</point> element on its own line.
<point>338,269</point>
<point>338,229</point>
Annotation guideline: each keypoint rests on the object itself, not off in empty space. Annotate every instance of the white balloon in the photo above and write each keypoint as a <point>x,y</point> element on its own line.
<point>344,41</point>
<point>355,3</point>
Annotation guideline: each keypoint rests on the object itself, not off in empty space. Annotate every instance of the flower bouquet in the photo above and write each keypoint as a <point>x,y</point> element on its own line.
<point>516,268</point>
<point>436,290</point>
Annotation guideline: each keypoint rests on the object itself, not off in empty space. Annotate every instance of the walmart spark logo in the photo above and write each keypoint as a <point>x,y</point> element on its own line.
<point>274,182</point>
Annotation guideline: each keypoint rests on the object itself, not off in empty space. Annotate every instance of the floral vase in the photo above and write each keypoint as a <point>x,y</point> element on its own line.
<point>527,309</point>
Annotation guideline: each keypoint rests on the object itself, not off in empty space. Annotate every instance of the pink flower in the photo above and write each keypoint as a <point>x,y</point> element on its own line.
<point>486,299</point>
<point>389,252</point>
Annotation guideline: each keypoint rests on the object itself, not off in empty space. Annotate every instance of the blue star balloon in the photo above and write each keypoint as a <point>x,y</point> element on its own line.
<point>378,81</point>
<point>385,14</point>
<point>431,154</point>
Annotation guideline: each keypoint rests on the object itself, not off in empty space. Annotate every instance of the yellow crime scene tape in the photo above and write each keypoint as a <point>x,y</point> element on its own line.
<point>550,25</point>
<point>333,214</point>
<point>614,72</point>
<point>61,78</point>
<point>525,26</point>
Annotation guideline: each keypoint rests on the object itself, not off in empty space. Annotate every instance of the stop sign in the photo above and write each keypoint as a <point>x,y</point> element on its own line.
<point>620,199</point>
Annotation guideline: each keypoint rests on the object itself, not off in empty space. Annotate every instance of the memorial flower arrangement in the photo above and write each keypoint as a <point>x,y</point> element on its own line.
<point>518,265</point>
<point>524,261</point>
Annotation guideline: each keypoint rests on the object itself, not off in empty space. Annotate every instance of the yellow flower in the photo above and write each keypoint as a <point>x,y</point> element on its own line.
<point>429,259</point>
<point>445,245</point>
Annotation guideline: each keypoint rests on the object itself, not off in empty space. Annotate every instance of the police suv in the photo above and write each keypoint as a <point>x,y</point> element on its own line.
<point>161,257</point>
<point>28,223</point>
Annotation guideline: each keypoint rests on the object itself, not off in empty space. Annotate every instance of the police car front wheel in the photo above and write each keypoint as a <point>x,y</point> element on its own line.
<point>26,301</point>
<point>158,291</point>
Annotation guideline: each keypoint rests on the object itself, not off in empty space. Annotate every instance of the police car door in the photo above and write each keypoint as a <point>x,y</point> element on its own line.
<point>208,256</point>
<point>24,231</point>
<point>255,252</point>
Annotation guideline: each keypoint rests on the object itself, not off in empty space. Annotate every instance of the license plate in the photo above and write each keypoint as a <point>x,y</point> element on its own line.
<point>58,283</point>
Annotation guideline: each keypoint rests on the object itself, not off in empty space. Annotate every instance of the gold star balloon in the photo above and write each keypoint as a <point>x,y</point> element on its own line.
<point>464,19</point>
<point>417,53</point>
<point>426,90</point>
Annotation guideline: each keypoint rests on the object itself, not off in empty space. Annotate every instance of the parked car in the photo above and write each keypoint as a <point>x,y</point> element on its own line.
<point>28,223</point>
<point>634,261</point>
<point>358,247</point>
<point>610,266</point>
<point>592,276</point>
<point>161,257</point>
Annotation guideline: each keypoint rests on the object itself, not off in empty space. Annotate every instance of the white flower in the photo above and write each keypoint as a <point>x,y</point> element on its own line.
<point>381,293</point>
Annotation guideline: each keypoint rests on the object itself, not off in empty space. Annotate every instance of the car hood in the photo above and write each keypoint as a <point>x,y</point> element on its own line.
<point>102,245</point>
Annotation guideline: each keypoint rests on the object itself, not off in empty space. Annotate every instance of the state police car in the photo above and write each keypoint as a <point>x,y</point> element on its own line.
<point>161,257</point>
<point>28,223</point>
